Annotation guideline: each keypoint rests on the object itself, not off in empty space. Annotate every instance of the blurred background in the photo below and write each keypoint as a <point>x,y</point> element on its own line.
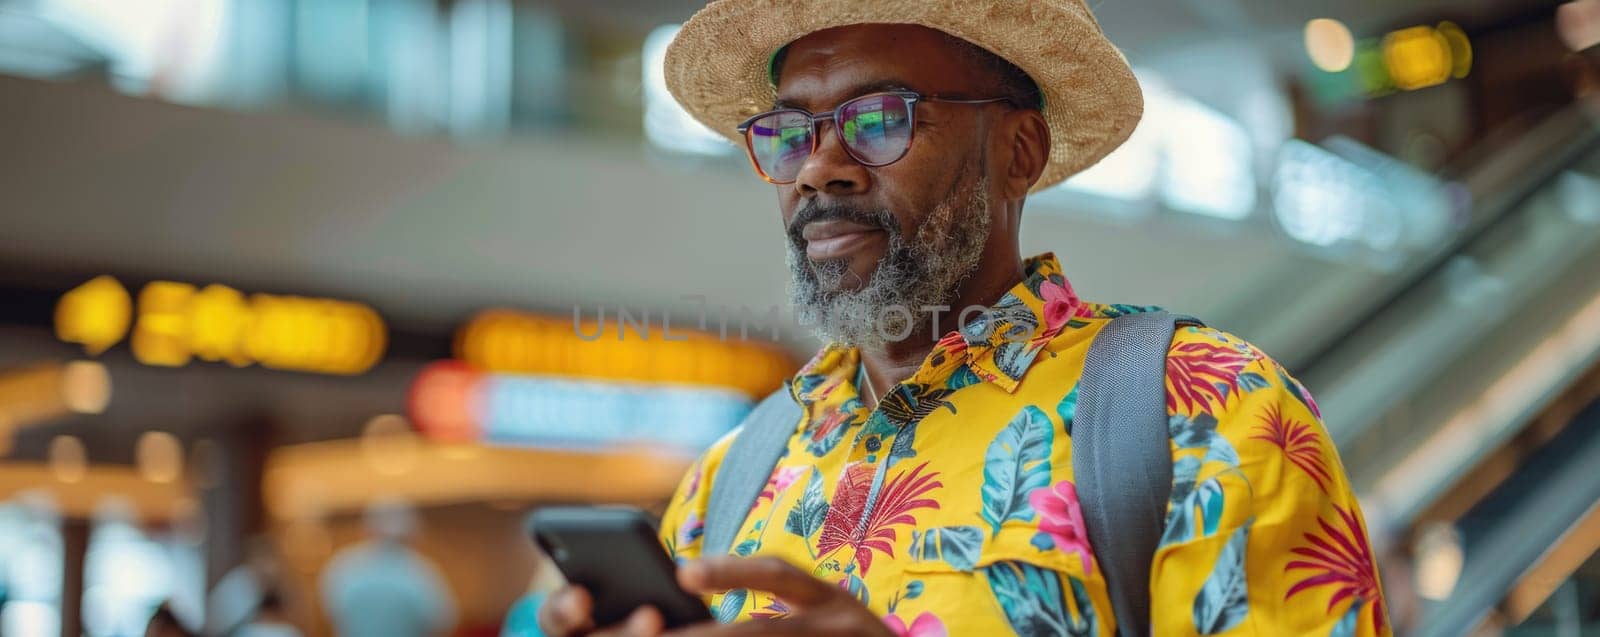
<point>288,290</point>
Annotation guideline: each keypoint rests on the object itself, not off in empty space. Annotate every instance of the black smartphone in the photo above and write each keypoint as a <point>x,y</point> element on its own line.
<point>613,552</point>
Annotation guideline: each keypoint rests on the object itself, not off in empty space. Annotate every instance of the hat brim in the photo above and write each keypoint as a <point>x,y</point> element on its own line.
<point>717,66</point>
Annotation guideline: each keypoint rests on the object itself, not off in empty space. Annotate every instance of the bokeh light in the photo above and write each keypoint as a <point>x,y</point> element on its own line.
<point>159,456</point>
<point>1330,44</point>
<point>69,461</point>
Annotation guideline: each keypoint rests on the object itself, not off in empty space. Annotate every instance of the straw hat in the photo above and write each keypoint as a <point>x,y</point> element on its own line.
<point>717,66</point>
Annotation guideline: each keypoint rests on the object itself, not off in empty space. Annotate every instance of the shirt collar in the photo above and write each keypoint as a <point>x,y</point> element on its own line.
<point>1001,343</point>
<point>998,344</point>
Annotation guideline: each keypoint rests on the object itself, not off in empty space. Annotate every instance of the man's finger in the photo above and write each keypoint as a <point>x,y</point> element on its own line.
<point>567,612</point>
<point>768,574</point>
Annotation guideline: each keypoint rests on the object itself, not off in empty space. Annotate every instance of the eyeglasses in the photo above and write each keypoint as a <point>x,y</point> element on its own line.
<point>875,129</point>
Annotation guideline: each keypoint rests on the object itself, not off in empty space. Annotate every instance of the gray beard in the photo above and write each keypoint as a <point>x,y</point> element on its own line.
<point>924,272</point>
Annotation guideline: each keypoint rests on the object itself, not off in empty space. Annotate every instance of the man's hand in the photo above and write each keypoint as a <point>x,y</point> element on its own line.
<point>569,612</point>
<point>816,607</point>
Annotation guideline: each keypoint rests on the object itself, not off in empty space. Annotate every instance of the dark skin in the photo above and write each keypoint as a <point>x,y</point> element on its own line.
<point>826,68</point>
<point>820,71</point>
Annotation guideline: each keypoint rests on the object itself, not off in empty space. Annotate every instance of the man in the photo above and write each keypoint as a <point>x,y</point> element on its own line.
<point>928,487</point>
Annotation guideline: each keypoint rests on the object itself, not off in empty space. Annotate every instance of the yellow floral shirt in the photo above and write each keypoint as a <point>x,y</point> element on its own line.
<point>976,528</point>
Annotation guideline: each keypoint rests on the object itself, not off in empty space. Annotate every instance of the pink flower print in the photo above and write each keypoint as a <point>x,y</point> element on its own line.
<point>779,482</point>
<point>1060,303</point>
<point>1062,519</point>
<point>691,530</point>
<point>925,625</point>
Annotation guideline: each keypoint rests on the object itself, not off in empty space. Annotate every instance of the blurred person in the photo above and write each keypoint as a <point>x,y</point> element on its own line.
<point>381,587</point>
<point>238,595</point>
<point>165,624</point>
<point>927,488</point>
<point>271,619</point>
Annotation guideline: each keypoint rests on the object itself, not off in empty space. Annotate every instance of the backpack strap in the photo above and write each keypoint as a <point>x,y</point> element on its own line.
<point>746,466</point>
<point>1122,458</point>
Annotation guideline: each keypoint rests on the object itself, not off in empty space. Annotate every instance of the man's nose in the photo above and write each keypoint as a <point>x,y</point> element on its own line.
<point>831,170</point>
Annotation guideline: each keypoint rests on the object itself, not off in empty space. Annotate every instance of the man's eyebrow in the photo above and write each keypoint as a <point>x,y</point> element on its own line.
<point>877,86</point>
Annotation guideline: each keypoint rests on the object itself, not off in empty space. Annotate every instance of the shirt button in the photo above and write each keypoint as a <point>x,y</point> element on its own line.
<point>874,444</point>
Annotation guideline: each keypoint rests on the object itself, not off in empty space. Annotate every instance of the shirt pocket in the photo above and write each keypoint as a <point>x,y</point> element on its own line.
<point>1017,580</point>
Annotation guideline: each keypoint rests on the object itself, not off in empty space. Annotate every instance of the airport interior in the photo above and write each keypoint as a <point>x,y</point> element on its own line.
<point>280,278</point>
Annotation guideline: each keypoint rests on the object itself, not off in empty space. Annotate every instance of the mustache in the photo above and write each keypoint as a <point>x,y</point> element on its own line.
<point>813,212</point>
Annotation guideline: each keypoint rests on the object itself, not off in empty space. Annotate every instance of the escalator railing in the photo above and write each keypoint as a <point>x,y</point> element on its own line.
<point>1453,356</point>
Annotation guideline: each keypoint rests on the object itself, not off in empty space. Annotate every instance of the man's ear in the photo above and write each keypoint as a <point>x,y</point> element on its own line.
<point>1029,150</point>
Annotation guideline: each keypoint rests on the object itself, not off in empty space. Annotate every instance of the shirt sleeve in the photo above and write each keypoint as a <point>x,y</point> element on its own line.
<point>1263,533</point>
<point>683,524</point>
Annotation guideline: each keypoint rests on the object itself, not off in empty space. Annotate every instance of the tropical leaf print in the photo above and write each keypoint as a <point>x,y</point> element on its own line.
<point>1012,359</point>
<point>843,518</point>
<point>1196,506</point>
<point>732,603</point>
<point>1115,310</point>
<point>1035,604</point>
<point>896,503</point>
<point>1017,462</point>
<point>1197,513</point>
<point>826,432</point>
<point>1299,442</point>
<point>1008,320</point>
<point>962,377</point>
<point>1298,391</point>
<point>1251,381</point>
<point>857,588</point>
<point>806,518</point>
<point>1224,599</point>
<point>1200,432</point>
<point>1068,409</point>
<point>1340,558</point>
<point>805,384</point>
<point>953,344</point>
<point>1347,624</point>
<point>694,481</point>
<point>690,532</point>
<point>954,545</point>
<point>774,609</point>
<point>912,402</point>
<point>1201,373</point>
<point>905,444</point>
<point>1192,432</point>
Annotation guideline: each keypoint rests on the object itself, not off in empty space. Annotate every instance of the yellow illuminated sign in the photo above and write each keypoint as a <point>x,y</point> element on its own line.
<point>161,337</point>
<point>516,342</point>
<point>95,314</point>
<point>1410,59</point>
<point>1417,57</point>
<point>177,322</point>
<point>1460,49</point>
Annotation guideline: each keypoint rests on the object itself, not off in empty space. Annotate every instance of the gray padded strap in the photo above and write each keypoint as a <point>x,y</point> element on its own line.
<point>746,467</point>
<point>1121,457</point>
